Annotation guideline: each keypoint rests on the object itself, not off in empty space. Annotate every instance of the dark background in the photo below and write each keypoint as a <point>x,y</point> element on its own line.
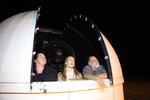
<point>125,24</point>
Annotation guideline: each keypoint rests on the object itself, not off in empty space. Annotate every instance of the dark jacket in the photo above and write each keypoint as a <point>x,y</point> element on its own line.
<point>49,74</point>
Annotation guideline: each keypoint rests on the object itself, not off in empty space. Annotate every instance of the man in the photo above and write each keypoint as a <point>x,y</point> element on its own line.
<point>41,71</point>
<point>94,71</point>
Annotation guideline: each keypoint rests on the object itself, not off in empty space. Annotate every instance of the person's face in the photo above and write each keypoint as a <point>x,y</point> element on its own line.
<point>93,62</point>
<point>70,62</point>
<point>41,59</point>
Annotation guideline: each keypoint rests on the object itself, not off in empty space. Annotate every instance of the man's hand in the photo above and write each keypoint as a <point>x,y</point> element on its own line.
<point>100,82</point>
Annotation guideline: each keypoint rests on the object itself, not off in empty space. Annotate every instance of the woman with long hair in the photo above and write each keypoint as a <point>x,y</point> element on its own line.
<point>70,71</point>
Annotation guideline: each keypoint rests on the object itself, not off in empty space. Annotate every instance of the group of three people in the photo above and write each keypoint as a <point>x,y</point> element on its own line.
<point>42,72</point>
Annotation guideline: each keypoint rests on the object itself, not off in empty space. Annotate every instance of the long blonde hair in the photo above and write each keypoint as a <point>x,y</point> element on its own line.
<point>63,73</point>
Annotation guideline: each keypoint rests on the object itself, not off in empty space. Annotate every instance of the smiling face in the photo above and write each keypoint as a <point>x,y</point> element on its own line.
<point>93,62</point>
<point>70,62</point>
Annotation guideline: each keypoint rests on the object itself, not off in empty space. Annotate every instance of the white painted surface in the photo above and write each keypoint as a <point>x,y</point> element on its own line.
<point>16,45</point>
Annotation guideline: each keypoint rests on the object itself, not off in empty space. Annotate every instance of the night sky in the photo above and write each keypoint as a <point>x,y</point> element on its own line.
<point>125,24</point>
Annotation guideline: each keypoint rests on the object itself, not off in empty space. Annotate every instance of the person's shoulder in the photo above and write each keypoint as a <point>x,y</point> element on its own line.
<point>59,74</point>
<point>102,66</point>
<point>51,68</point>
<point>86,66</point>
